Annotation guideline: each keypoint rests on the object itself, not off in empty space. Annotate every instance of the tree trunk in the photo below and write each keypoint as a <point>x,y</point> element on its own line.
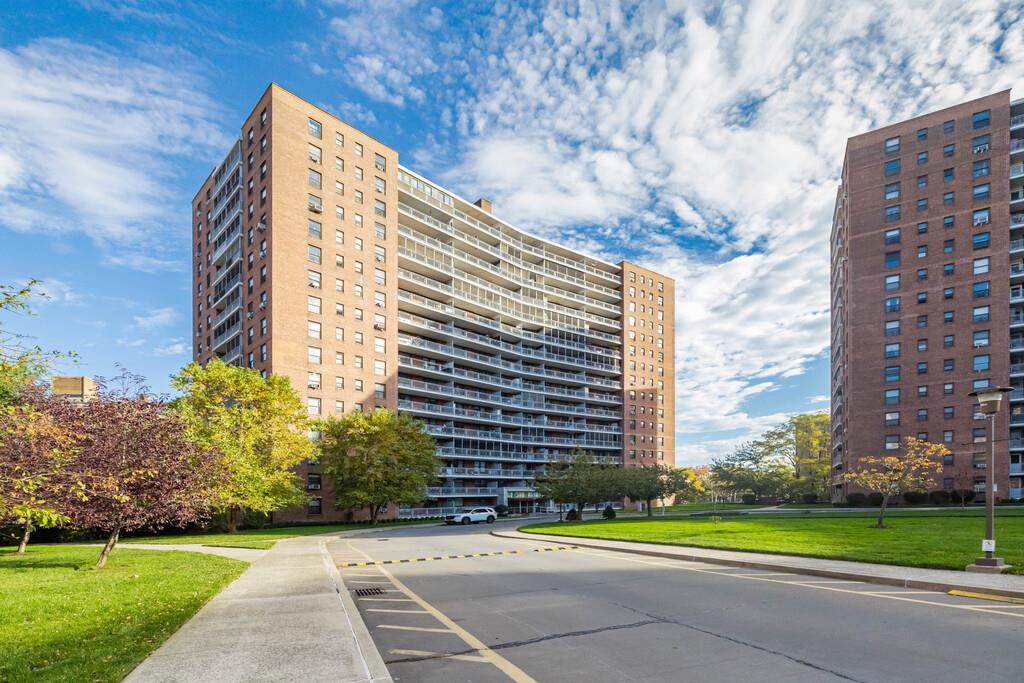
<point>881,513</point>
<point>24,538</point>
<point>374,511</point>
<point>650,507</point>
<point>111,542</point>
<point>232,519</point>
<point>579,509</point>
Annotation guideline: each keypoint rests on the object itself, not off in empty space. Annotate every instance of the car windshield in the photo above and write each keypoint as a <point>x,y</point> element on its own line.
<point>468,510</point>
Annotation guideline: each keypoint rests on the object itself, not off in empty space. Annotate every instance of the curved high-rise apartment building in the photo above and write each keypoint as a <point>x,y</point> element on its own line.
<point>319,257</point>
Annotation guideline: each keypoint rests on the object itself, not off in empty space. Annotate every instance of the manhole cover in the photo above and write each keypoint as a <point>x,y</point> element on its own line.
<point>363,592</point>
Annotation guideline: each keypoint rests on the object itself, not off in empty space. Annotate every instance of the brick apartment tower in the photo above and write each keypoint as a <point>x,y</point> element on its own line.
<point>318,257</point>
<point>928,291</point>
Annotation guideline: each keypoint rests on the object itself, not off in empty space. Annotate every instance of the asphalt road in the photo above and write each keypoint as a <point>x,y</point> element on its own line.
<point>579,615</point>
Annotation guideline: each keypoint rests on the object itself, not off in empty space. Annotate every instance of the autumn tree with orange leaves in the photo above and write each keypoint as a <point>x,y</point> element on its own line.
<point>892,475</point>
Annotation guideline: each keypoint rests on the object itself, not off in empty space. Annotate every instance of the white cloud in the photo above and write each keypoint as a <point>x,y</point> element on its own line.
<point>57,291</point>
<point>174,349</point>
<point>706,140</point>
<point>90,142</point>
<point>160,317</point>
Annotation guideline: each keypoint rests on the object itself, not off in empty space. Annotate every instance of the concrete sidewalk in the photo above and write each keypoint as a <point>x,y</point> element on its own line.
<point>286,618</point>
<point>905,577</point>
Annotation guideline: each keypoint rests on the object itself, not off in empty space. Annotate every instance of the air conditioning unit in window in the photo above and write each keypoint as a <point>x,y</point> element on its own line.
<point>261,226</point>
<point>263,306</point>
<point>378,327</point>
<point>979,344</point>
<point>249,315</point>
<point>315,209</point>
<point>981,221</point>
<point>314,386</point>
<point>314,285</point>
<point>978,149</point>
<point>263,253</point>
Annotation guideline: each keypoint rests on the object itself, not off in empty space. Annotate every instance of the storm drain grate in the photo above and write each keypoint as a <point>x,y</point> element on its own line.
<point>363,592</point>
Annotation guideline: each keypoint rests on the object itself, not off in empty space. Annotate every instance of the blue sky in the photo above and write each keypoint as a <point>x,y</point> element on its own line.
<point>704,139</point>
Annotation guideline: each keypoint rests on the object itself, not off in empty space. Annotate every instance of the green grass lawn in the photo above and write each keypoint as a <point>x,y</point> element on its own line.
<point>942,540</point>
<point>248,536</point>
<point>704,507</point>
<point>64,621</point>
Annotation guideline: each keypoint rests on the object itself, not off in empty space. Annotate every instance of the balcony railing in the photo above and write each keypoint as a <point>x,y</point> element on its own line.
<point>1017,121</point>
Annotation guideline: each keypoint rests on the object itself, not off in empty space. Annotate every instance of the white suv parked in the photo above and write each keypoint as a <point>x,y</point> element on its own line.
<point>472,515</point>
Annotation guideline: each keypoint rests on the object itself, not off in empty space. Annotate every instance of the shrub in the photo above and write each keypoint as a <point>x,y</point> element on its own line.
<point>875,499</point>
<point>955,496</point>
<point>914,497</point>
<point>502,510</point>
<point>609,512</point>
<point>572,515</point>
<point>810,498</point>
<point>856,499</point>
<point>748,498</point>
<point>939,497</point>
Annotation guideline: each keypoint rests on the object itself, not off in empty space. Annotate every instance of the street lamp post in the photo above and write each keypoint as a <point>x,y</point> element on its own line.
<point>988,401</point>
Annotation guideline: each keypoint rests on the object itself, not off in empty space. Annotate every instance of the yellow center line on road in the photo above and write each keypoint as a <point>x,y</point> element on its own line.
<point>888,595</point>
<point>514,673</point>
<point>425,629</point>
<point>397,611</point>
<point>387,599</point>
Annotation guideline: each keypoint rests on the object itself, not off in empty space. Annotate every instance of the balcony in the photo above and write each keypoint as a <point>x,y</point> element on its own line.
<point>1016,245</point>
<point>488,473</point>
<point>1017,121</point>
<point>1016,144</point>
<point>1016,468</point>
<point>1017,218</point>
<point>1016,170</point>
<point>452,492</point>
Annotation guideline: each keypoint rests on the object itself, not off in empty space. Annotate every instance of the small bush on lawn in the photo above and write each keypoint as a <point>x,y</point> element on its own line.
<point>966,496</point>
<point>939,497</point>
<point>572,515</point>
<point>749,498</point>
<point>914,498</point>
<point>856,499</point>
<point>875,499</point>
<point>502,510</point>
<point>608,512</point>
<point>810,498</point>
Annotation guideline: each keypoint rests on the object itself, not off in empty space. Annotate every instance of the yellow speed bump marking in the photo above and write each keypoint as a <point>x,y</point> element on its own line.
<point>986,596</point>
<point>378,563</point>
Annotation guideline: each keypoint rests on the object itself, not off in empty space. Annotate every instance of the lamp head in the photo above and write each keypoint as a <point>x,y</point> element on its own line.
<point>989,398</point>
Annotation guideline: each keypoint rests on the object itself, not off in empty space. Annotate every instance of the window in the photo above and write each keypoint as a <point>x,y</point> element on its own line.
<point>981,191</point>
<point>892,328</point>
<point>314,154</point>
<point>380,391</point>
<point>981,363</point>
<point>379,254</point>
<point>359,150</point>
<point>947,316</point>
<point>892,442</point>
<point>315,128</point>
<point>922,274</point>
<point>922,204</point>
<point>379,162</point>
<point>922,344</point>
<point>948,246</point>
<point>892,236</point>
<point>379,344</point>
<point>379,276</point>
<point>358,196</point>
<point>892,168</point>
<point>339,187</point>
<point>948,221</point>
<point>980,240</point>
<point>892,282</point>
<point>892,419</point>
<point>922,228</point>
<point>380,368</point>
<point>922,414</point>
<point>948,150</point>
<point>314,506</point>
<point>892,213</point>
<point>339,212</point>
<point>892,191</point>
<point>922,133</point>
<point>947,388</point>
<point>980,338</point>
<point>892,305</point>
<point>892,259</point>
<point>892,397</point>
<point>922,390</point>
<point>948,341</point>
<point>315,204</point>
<point>948,175</point>
<point>980,314</point>
<point>980,119</point>
<point>948,198</point>
<point>359,362</point>
<point>948,412</point>
<point>922,367</point>
<point>892,373</point>
<point>380,231</point>
<point>379,185</point>
<point>339,139</point>
<point>892,350</point>
<point>922,158</point>
<point>922,181</point>
<point>981,216</point>
<point>982,168</point>
<point>980,290</point>
<point>358,244</point>
<point>980,144</point>
<point>314,228</point>
<point>313,279</point>
<point>948,364</point>
<point>339,164</point>
<point>313,355</point>
<point>358,172</point>
<point>922,321</point>
<point>313,304</point>
<point>947,127</point>
<point>312,329</point>
<point>922,251</point>
<point>892,145</point>
<point>379,208</point>
<point>313,253</point>
<point>981,265</point>
<point>947,293</point>
<point>313,380</point>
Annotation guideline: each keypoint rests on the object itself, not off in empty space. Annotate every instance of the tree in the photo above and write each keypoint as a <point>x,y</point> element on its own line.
<point>21,366</point>
<point>892,475</point>
<point>137,468</point>
<point>377,458</point>
<point>259,426</point>
<point>656,482</point>
<point>581,481</point>
<point>803,443</point>
<point>35,450</point>
<point>753,468</point>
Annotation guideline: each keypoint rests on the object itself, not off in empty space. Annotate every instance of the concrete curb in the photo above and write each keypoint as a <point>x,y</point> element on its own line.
<point>682,554</point>
<point>376,669</point>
